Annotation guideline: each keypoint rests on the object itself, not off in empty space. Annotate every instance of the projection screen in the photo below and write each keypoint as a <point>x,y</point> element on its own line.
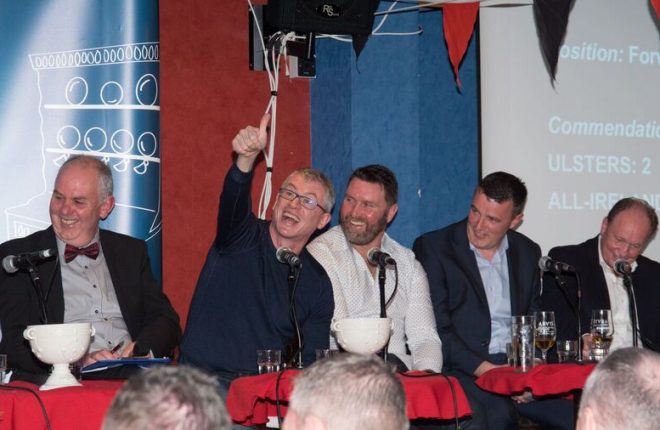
<point>591,139</point>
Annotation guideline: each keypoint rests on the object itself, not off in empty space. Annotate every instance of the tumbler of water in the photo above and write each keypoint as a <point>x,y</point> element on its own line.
<point>567,350</point>
<point>512,354</point>
<point>269,360</point>
<point>3,367</point>
<point>522,337</point>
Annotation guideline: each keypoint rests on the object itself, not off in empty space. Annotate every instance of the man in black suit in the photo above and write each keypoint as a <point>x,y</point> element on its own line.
<point>97,276</point>
<point>625,232</point>
<point>481,272</point>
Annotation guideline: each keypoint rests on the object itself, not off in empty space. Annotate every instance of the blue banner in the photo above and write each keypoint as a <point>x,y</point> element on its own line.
<point>80,77</point>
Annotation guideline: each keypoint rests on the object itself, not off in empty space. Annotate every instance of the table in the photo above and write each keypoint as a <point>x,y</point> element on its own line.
<point>79,408</point>
<point>542,380</point>
<point>252,399</point>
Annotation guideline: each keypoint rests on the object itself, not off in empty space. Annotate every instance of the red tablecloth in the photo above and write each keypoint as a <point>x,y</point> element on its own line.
<point>252,399</point>
<point>542,380</point>
<point>70,408</point>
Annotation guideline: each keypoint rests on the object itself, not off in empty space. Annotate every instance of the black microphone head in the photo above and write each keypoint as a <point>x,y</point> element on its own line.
<point>287,256</point>
<point>622,267</point>
<point>544,262</point>
<point>376,257</point>
<point>280,254</point>
<point>8,264</point>
<point>14,263</point>
<point>372,256</point>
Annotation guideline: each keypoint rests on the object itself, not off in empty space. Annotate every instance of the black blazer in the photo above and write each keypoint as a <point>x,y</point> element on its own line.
<point>459,298</point>
<point>148,314</point>
<point>584,257</point>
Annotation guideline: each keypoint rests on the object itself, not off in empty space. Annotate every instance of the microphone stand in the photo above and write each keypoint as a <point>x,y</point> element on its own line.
<point>36,283</point>
<point>292,278</point>
<point>632,306</point>
<point>381,287</point>
<point>562,286</point>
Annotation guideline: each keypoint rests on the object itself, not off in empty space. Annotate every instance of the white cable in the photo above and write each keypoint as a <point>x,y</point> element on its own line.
<point>278,42</point>
<point>419,30</point>
<point>429,4</point>
<point>384,18</point>
<point>278,53</point>
<point>375,31</point>
<point>334,37</point>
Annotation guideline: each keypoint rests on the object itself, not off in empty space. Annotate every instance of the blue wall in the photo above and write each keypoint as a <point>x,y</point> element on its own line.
<point>398,105</point>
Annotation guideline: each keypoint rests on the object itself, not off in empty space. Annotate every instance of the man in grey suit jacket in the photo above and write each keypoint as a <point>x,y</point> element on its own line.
<point>481,272</point>
<point>97,276</point>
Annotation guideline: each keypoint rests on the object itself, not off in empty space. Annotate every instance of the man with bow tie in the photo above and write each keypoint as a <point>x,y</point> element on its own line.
<point>98,276</point>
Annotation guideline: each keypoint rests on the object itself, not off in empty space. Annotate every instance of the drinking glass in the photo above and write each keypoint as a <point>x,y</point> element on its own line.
<point>3,367</point>
<point>522,341</point>
<point>602,331</point>
<point>511,354</point>
<point>326,353</point>
<point>269,360</point>
<point>567,350</point>
<point>545,332</point>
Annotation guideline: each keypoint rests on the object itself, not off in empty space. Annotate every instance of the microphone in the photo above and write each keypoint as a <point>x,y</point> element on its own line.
<point>622,267</point>
<point>14,263</point>
<point>286,256</point>
<point>379,258</point>
<point>547,264</point>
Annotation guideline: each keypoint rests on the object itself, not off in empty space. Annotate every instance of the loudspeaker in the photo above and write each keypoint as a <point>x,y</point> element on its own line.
<point>322,16</point>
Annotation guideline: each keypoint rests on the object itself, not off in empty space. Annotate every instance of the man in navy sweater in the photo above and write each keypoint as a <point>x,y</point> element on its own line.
<point>242,299</point>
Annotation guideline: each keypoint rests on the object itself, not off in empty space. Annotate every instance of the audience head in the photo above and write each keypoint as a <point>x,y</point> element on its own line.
<point>627,229</point>
<point>168,398</point>
<point>497,206</point>
<point>623,392</point>
<point>347,392</point>
<point>81,198</point>
<point>370,204</point>
<point>303,205</point>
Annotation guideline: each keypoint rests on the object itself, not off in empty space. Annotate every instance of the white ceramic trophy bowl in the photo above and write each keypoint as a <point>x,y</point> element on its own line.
<point>362,335</point>
<point>59,345</point>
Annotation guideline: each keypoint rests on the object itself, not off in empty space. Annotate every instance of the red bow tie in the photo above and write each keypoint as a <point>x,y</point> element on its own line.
<point>71,252</point>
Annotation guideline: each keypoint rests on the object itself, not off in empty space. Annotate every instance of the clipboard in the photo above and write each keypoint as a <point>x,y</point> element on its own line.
<point>143,362</point>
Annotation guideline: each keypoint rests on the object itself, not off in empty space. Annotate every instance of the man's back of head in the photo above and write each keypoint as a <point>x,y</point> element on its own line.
<point>623,392</point>
<point>347,392</point>
<point>168,398</point>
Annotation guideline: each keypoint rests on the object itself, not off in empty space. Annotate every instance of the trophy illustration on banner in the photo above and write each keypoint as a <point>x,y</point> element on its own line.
<point>102,102</point>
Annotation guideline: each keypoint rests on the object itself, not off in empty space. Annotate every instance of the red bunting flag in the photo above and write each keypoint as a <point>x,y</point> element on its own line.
<point>458,23</point>
<point>656,6</point>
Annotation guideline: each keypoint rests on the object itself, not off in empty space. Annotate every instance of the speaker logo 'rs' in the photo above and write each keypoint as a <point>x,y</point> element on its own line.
<point>329,10</point>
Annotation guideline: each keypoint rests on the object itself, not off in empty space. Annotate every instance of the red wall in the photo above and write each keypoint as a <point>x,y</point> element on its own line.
<point>208,93</point>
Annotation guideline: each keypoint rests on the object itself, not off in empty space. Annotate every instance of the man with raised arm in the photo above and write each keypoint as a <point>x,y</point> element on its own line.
<point>243,297</point>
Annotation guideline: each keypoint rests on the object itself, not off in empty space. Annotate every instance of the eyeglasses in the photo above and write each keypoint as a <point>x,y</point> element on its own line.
<point>306,201</point>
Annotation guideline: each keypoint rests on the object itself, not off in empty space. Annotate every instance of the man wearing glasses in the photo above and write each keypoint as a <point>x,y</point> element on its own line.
<point>242,299</point>
<point>347,254</point>
<point>625,233</point>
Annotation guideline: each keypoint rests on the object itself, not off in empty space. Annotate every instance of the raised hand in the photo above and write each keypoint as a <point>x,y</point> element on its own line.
<point>249,142</point>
